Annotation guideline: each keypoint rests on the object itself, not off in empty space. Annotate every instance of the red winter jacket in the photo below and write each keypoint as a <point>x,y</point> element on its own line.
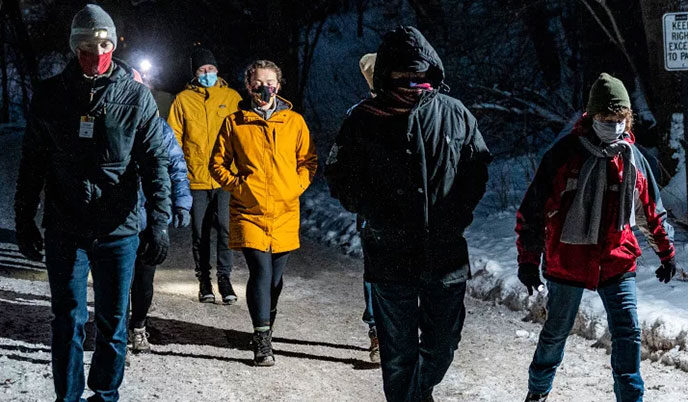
<point>542,214</point>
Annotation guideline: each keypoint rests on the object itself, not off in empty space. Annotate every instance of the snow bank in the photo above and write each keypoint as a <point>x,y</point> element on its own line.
<point>662,308</point>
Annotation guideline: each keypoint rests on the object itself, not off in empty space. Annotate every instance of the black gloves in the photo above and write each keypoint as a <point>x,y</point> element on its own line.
<point>181,218</point>
<point>30,240</point>
<point>529,275</point>
<point>155,242</point>
<point>666,271</point>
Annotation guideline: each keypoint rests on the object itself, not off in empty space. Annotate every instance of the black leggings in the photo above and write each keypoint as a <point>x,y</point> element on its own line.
<point>264,283</point>
<point>141,294</point>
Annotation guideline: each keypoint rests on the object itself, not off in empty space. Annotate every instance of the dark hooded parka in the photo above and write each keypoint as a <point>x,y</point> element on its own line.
<point>415,177</point>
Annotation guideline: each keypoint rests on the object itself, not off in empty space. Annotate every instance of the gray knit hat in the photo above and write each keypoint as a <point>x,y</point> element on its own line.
<point>92,22</point>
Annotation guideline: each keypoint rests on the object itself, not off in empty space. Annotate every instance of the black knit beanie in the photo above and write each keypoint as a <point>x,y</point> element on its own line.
<point>201,57</point>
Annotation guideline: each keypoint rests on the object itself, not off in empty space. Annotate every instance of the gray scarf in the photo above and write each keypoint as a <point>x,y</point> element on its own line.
<point>582,225</point>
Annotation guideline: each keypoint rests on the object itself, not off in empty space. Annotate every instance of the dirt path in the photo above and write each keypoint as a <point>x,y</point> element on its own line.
<point>201,351</point>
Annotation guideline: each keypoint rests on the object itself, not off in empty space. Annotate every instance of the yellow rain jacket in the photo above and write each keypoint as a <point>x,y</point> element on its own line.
<point>276,161</point>
<point>196,116</point>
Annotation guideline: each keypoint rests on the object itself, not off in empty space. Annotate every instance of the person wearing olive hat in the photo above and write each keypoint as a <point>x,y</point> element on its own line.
<point>591,188</point>
<point>93,136</point>
<point>196,116</point>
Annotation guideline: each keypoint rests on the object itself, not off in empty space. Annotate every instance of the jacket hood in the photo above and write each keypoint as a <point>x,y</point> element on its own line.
<point>401,46</point>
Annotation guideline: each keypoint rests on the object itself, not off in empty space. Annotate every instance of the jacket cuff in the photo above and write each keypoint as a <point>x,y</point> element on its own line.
<point>667,255</point>
<point>529,258</point>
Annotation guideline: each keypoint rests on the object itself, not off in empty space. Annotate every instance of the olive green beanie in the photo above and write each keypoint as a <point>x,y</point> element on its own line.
<point>607,94</point>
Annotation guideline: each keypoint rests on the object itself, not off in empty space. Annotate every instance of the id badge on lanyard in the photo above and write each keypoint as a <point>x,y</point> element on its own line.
<point>86,125</point>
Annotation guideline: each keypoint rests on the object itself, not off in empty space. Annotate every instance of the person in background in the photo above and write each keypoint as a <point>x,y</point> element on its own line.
<point>275,158</point>
<point>144,274</point>
<point>92,136</point>
<point>196,116</point>
<point>412,163</point>
<point>367,66</point>
<point>577,216</point>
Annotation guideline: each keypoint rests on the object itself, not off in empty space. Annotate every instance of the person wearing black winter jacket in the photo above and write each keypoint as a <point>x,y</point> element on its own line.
<point>412,163</point>
<point>92,135</point>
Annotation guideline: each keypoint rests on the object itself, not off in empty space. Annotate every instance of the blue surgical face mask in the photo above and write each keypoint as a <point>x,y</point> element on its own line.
<point>609,132</point>
<point>208,79</point>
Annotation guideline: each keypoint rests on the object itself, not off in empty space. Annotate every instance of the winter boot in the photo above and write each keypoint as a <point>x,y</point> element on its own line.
<point>262,349</point>
<point>139,340</point>
<point>374,346</point>
<point>536,397</point>
<point>226,290</point>
<point>205,291</point>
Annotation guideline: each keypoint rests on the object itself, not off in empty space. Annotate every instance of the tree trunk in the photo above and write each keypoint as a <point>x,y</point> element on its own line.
<point>5,111</point>
<point>14,16</point>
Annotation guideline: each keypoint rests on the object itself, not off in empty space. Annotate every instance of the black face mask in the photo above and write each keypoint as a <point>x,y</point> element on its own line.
<point>262,94</point>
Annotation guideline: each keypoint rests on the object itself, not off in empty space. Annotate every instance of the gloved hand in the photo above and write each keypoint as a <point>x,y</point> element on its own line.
<point>155,242</point>
<point>666,271</point>
<point>181,218</point>
<point>30,240</point>
<point>529,275</point>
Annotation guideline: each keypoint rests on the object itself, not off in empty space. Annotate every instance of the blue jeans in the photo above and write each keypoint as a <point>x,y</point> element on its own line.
<point>413,365</point>
<point>112,263</point>
<point>368,316</point>
<point>619,301</point>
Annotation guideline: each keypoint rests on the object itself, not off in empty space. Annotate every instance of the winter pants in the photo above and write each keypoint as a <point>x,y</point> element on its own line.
<point>264,284</point>
<point>141,294</point>
<point>210,210</point>
<point>368,316</point>
<point>413,365</point>
<point>619,301</point>
<point>111,262</point>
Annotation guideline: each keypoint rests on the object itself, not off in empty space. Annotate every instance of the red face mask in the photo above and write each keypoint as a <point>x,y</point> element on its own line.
<point>94,64</point>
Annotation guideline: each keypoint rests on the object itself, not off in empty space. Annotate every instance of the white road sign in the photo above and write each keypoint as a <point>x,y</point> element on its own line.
<point>676,41</point>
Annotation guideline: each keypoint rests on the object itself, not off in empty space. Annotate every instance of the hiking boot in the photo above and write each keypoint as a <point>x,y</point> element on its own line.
<point>262,349</point>
<point>139,340</point>
<point>205,291</point>
<point>374,346</point>
<point>226,290</point>
<point>536,397</point>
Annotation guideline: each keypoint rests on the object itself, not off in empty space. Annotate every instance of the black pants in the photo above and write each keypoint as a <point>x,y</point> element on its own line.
<point>141,293</point>
<point>413,364</point>
<point>264,283</point>
<point>210,210</point>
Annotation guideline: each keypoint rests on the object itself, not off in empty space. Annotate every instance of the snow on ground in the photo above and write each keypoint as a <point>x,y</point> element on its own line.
<point>662,308</point>
<point>201,351</point>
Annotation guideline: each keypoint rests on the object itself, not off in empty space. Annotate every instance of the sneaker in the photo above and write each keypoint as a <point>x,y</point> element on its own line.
<point>536,397</point>
<point>205,291</point>
<point>374,346</point>
<point>226,290</point>
<point>139,340</point>
<point>262,349</point>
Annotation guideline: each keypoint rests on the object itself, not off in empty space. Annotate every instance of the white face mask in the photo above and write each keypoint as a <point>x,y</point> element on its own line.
<point>609,132</point>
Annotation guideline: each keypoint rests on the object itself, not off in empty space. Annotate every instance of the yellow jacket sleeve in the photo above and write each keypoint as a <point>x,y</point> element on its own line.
<point>222,158</point>
<point>306,157</point>
<point>176,120</point>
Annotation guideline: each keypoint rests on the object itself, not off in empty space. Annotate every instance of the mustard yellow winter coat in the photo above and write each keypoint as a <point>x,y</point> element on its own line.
<point>196,116</point>
<point>276,161</point>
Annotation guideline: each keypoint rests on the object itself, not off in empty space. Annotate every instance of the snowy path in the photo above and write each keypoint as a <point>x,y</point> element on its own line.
<point>200,350</point>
